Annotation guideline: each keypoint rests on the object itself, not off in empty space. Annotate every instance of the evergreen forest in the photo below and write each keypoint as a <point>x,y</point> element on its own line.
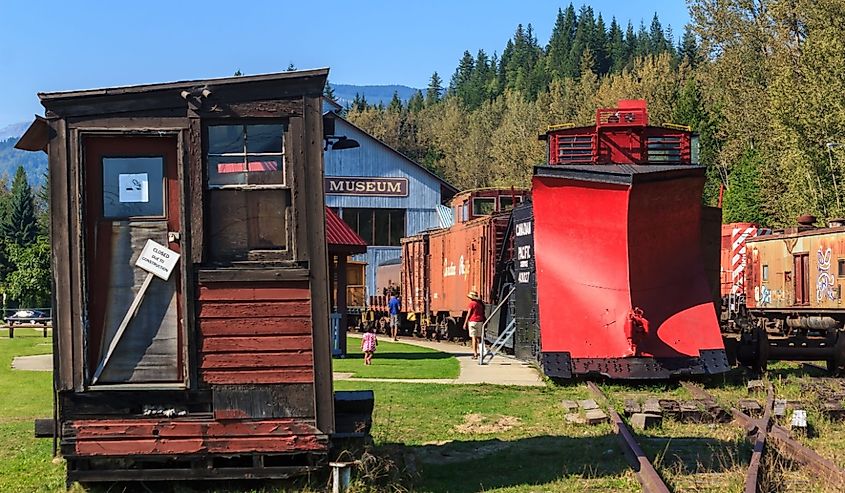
<point>761,81</point>
<point>24,244</point>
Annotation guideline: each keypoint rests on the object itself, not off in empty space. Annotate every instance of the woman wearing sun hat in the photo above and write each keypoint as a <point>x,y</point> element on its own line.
<point>475,321</point>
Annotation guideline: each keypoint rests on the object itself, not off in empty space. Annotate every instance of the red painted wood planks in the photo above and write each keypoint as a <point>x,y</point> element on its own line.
<point>288,375</point>
<point>252,343</point>
<point>241,291</point>
<point>145,428</point>
<point>191,446</point>
<point>217,309</point>
<point>256,360</point>
<point>256,326</point>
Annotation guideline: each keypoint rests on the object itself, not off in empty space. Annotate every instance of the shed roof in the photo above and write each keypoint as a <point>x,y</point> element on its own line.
<point>340,237</point>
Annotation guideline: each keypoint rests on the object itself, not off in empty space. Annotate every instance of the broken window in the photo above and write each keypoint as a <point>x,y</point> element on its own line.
<point>249,201</point>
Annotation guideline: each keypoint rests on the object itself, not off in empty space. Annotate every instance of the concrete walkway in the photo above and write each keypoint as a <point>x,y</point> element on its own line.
<point>501,370</point>
<point>41,362</point>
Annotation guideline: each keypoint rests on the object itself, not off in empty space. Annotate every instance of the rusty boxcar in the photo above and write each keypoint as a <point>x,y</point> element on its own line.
<point>441,266</point>
<point>190,274</point>
<point>793,294</point>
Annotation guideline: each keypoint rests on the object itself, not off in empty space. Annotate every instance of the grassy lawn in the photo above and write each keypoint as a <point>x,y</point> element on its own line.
<point>25,462</point>
<point>397,360</point>
<point>466,438</point>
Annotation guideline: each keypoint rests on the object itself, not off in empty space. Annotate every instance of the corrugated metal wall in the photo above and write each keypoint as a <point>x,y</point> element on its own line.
<point>374,159</point>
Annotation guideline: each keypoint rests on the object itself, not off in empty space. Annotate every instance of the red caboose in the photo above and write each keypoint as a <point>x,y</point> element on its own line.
<point>620,282</point>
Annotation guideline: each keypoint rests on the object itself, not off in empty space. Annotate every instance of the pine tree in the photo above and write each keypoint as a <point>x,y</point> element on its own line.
<point>631,44</point>
<point>617,51</point>
<point>656,37</point>
<point>416,102</point>
<point>558,61</point>
<point>434,90</point>
<point>395,105</point>
<point>688,49</point>
<point>600,46</point>
<point>328,91</point>
<point>583,38</point>
<point>20,226</point>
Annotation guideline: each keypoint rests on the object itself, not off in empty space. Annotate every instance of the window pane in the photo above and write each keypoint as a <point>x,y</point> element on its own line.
<point>265,170</point>
<point>482,206</point>
<point>397,226</point>
<point>382,227</point>
<point>244,220</point>
<point>225,139</point>
<point>226,170</point>
<point>264,138</point>
<point>133,186</point>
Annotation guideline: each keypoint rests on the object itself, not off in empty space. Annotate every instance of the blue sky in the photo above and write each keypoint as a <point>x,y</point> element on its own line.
<point>64,45</point>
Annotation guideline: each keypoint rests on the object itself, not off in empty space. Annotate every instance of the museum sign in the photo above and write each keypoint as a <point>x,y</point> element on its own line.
<point>383,187</point>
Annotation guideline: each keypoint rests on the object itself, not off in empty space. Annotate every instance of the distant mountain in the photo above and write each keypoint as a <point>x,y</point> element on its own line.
<point>35,163</point>
<point>345,93</point>
<point>13,130</point>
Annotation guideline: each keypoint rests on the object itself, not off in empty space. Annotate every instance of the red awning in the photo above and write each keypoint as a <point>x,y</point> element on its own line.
<point>340,237</point>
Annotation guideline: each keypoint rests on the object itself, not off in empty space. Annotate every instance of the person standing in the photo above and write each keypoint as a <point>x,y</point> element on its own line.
<point>368,345</point>
<point>474,322</point>
<point>393,306</point>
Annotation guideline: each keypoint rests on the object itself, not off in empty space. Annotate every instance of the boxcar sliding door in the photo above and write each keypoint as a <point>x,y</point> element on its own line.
<point>132,196</point>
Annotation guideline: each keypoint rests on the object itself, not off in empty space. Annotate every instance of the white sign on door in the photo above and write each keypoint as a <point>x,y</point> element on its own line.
<point>134,187</point>
<point>157,259</point>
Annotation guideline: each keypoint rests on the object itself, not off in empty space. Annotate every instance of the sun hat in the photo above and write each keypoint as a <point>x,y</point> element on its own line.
<point>473,296</point>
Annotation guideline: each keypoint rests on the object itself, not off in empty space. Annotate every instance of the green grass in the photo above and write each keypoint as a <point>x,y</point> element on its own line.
<point>397,360</point>
<point>431,427</point>
<point>25,461</point>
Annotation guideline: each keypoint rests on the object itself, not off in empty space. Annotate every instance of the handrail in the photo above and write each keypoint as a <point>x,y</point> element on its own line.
<point>486,322</point>
<point>496,310</point>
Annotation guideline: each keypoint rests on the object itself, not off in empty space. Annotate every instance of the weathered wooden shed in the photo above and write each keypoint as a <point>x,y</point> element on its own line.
<point>190,269</point>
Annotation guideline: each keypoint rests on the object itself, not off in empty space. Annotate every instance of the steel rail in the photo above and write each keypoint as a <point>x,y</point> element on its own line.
<point>832,475</point>
<point>752,475</point>
<point>637,459</point>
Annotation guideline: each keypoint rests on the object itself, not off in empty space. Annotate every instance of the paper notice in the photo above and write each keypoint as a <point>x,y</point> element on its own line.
<point>134,187</point>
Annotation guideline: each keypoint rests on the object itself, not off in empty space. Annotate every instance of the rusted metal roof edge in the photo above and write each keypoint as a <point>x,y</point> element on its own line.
<point>220,81</point>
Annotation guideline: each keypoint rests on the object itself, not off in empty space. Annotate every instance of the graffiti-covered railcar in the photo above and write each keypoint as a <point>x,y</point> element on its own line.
<point>793,294</point>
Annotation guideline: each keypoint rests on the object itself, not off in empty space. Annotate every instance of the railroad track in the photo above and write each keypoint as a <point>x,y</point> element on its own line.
<point>638,460</point>
<point>766,431</point>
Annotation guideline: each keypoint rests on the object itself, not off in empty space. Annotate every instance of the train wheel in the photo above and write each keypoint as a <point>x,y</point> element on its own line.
<point>762,357</point>
<point>836,364</point>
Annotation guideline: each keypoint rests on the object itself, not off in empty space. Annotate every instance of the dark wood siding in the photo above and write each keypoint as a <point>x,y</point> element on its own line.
<point>255,333</point>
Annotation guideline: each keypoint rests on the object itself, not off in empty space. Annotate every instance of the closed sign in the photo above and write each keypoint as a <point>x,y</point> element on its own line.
<point>157,259</point>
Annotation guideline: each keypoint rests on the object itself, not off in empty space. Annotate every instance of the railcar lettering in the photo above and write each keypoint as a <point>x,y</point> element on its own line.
<point>523,229</point>
<point>523,252</point>
<point>523,277</point>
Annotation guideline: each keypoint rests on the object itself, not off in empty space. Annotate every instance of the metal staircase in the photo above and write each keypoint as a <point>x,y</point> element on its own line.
<point>487,355</point>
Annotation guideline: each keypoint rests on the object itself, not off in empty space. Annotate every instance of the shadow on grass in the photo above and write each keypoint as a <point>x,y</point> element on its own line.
<point>469,466</point>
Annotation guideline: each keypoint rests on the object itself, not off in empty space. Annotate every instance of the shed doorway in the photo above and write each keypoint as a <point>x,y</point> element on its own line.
<point>132,197</point>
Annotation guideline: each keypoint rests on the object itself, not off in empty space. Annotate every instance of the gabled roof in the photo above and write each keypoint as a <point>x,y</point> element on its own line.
<point>446,186</point>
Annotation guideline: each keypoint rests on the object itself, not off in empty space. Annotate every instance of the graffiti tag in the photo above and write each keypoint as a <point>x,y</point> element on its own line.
<point>824,281</point>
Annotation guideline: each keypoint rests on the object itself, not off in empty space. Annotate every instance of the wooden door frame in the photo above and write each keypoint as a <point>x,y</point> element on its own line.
<point>185,302</point>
